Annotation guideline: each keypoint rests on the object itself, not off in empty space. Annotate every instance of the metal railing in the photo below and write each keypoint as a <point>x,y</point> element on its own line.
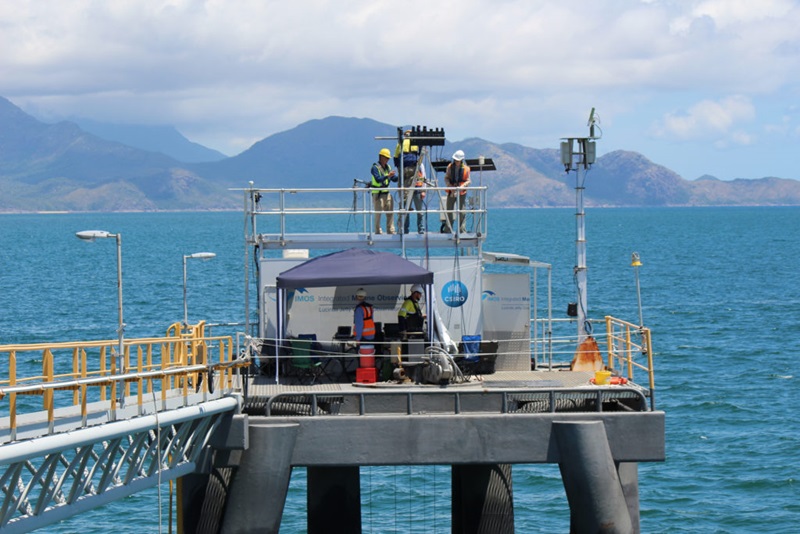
<point>555,339</point>
<point>77,375</point>
<point>54,477</point>
<point>454,402</point>
<point>628,345</point>
<point>351,209</point>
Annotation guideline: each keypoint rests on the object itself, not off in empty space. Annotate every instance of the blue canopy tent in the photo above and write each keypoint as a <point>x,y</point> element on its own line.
<point>352,267</point>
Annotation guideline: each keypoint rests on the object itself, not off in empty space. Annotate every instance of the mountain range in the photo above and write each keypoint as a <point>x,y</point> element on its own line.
<point>89,166</point>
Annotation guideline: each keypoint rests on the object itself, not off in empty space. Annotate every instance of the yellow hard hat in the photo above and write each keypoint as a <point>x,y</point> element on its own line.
<point>385,153</point>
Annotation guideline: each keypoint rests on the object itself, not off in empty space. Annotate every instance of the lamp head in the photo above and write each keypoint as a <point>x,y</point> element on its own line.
<point>202,255</point>
<point>91,235</point>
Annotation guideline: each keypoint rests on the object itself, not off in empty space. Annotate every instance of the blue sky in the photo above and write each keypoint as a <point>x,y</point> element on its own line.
<point>700,86</point>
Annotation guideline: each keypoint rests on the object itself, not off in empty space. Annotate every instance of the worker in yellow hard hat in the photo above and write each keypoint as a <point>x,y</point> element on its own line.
<point>413,180</point>
<point>382,174</point>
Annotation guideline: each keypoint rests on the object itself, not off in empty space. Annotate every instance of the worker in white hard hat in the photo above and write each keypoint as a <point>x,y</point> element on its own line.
<point>363,317</point>
<point>382,174</point>
<point>456,179</point>
<point>409,316</point>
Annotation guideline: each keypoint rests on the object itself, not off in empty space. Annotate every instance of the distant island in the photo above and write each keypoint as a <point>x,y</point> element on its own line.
<point>66,167</point>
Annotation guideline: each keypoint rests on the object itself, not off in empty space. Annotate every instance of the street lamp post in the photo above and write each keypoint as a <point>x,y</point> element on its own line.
<point>636,263</point>
<point>91,235</point>
<point>199,256</point>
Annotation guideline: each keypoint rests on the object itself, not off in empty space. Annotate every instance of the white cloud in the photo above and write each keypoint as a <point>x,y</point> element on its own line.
<point>714,120</point>
<point>229,73</point>
<point>728,12</point>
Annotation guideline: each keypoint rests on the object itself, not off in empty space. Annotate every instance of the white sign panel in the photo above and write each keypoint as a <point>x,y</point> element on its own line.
<point>506,318</point>
<point>321,310</point>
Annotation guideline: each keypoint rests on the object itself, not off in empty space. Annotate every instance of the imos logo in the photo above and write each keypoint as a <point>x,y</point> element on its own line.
<point>491,296</point>
<point>454,293</point>
<point>300,295</point>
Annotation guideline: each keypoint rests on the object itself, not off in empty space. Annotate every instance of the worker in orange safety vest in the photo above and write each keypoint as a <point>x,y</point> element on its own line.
<point>456,178</point>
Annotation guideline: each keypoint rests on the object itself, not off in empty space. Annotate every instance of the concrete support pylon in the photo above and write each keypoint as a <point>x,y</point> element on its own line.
<point>629,479</point>
<point>596,500</point>
<point>483,499</point>
<point>258,492</point>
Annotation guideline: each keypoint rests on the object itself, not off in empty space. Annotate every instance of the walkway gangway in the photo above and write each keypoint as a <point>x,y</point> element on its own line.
<point>82,448</point>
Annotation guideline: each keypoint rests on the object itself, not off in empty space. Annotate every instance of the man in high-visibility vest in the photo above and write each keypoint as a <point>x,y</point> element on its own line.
<point>412,327</point>
<point>413,180</point>
<point>409,316</point>
<point>456,179</point>
<point>364,330</point>
<point>382,202</point>
<point>363,314</point>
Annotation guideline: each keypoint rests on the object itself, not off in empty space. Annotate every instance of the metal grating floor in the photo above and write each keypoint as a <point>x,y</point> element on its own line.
<point>264,386</point>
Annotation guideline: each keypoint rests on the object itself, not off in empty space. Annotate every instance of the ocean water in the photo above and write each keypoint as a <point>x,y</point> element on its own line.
<point>719,289</point>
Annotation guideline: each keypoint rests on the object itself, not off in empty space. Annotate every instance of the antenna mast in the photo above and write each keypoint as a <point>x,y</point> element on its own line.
<point>578,154</point>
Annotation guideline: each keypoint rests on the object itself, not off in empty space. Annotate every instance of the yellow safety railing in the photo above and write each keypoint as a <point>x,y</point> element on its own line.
<point>630,348</point>
<point>84,372</point>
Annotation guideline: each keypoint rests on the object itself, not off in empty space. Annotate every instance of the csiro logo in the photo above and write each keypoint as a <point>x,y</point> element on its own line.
<point>454,293</point>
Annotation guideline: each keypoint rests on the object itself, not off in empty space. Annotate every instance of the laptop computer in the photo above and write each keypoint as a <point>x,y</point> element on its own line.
<point>343,332</point>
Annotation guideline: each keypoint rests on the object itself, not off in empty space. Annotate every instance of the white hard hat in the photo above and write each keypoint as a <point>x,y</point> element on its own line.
<point>458,155</point>
<point>361,292</point>
<point>416,288</point>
